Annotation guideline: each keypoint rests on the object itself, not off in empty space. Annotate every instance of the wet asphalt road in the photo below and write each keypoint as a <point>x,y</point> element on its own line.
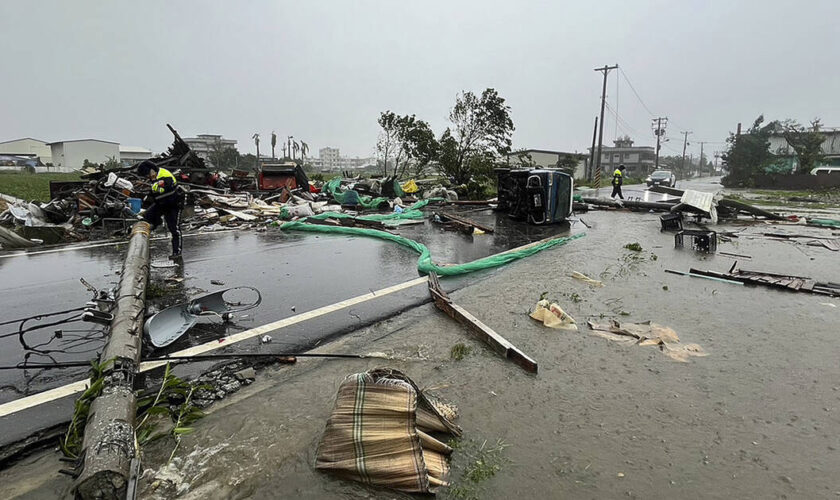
<point>295,272</point>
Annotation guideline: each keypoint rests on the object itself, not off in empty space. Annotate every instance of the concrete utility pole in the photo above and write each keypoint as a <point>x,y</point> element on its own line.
<point>701,157</point>
<point>108,449</point>
<point>591,168</point>
<point>659,125</point>
<point>685,143</point>
<point>605,70</point>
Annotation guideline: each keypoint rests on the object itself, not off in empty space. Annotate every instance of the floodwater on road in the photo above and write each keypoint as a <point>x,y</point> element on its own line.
<point>294,271</point>
<point>756,418</point>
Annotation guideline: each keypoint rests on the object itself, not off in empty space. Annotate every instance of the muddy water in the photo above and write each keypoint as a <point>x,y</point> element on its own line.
<point>757,418</point>
<point>296,272</point>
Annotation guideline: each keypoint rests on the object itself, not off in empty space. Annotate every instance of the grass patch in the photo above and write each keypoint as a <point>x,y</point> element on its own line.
<point>634,247</point>
<point>31,186</point>
<point>460,351</point>
<point>475,465</point>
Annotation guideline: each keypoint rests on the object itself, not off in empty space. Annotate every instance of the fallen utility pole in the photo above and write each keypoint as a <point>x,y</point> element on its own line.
<point>468,222</point>
<point>482,331</point>
<point>661,206</point>
<point>109,445</point>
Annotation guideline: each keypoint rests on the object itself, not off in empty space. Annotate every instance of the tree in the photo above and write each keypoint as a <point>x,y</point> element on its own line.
<point>223,157</point>
<point>748,154</point>
<point>569,163</point>
<point>408,140</point>
<point>806,143</point>
<point>388,141</point>
<point>480,132</point>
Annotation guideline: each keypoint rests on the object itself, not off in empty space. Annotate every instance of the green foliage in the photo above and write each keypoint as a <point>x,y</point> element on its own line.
<point>71,443</point>
<point>748,154</point>
<point>173,401</point>
<point>247,162</point>
<point>634,247</point>
<point>806,143</point>
<point>481,464</point>
<point>224,158</point>
<point>481,128</point>
<point>460,351</point>
<point>28,186</point>
<point>568,163</point>
<point>409,141</point>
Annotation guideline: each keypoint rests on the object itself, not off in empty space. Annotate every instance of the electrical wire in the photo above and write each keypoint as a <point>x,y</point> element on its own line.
<point>626,79</point>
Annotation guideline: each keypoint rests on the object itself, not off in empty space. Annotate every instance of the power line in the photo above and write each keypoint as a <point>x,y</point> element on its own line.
<point>636,93</point>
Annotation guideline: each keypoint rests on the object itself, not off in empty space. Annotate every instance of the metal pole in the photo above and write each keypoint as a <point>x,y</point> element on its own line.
<point>108,447</point>
<point>592,154</point>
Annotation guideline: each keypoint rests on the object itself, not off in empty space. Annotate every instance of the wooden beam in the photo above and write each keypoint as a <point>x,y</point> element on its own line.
<point>469,222</point>
<point>479,329</point>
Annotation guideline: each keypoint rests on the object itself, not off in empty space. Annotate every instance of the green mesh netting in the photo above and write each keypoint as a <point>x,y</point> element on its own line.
<point>424,263</point>
<point>412,212</point>
<point>350,197</point>
<point>825,222</point>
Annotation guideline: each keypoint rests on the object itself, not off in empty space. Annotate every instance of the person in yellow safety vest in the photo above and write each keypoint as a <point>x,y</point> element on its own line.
<point>167,202</point>
<point>617,181</point>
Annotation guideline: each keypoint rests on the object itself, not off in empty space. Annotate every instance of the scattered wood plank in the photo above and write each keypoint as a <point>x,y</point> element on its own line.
<point>466,221</point>
<point>772,280</point>
<point>482,331</point>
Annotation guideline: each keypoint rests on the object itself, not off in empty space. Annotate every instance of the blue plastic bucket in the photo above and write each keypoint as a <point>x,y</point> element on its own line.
<point>135,204</point>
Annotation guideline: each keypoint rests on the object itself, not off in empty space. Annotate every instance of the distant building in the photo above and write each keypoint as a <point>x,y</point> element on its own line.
<point>544,158</point>
<point>639,160</point>
<point>330,158</point>
<point>203,144</point>
<point>830,147</point>
<point>71,155</point>
<point>28,147</point>
<point>132,155</point>
<point>346,163</point>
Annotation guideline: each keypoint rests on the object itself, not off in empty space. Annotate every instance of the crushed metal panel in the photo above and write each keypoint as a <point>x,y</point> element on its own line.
<point>170,324</point>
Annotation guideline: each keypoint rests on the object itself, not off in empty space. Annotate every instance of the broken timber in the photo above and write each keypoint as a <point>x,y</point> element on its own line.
<point>726,203</point>
<point>781,281</point>
<point>466,222</point>
<point>482,331</point>
<point>109,444</point>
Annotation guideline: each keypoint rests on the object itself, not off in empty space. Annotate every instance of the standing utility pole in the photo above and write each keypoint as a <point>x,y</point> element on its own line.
<point>605,70</point>
<point>659,125</point>
<point>591,168</point>
<point>685,143</point>
<point>701,157</point>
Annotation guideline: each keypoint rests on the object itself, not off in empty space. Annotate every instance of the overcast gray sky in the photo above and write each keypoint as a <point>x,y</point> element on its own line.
<point>323,70</point>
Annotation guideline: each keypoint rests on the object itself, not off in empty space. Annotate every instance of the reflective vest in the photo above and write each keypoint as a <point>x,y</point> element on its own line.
<point>160,184</point>
<point>617,177</point>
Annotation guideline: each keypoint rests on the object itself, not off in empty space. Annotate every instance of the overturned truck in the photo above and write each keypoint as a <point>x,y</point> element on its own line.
<point>538,196</point>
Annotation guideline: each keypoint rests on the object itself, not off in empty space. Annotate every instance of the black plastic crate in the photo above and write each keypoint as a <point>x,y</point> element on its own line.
<point>702,241</point>
<point>671,222</point>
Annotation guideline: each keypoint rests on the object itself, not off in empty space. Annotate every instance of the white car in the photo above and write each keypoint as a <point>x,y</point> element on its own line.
<point>825,171</point>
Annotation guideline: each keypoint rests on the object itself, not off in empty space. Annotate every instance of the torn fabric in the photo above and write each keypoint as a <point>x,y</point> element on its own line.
<point>378,434</point>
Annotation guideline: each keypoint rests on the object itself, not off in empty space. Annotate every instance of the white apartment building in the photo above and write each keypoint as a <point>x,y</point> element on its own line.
<point>203,144</point>
<point>330,158</point>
